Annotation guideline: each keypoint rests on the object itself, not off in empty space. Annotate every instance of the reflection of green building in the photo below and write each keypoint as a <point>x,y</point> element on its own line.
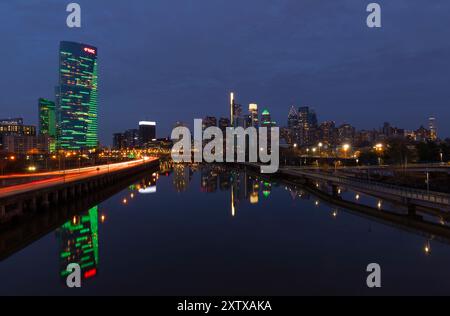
<point>47,120</point>
<point>79,243</point>
<point>267,189</point>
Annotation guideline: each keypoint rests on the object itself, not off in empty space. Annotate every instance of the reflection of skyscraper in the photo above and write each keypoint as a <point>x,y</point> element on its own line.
<point>208,180</point>
<point>77,112</point>
<point>224,181</point>
<point>79,244</point>
<point>182,177</point>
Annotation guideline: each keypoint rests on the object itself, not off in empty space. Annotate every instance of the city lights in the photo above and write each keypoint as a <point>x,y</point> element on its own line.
<point>141,173</point>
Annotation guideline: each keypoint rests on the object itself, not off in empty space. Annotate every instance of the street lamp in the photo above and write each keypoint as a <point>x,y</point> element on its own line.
<point>346,148</point>
<point>379,147</point>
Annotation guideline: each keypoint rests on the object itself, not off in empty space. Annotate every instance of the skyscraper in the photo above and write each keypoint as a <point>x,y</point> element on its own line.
<point>47,121</point>
<point>147,132</point>
<point>266,119</point>
<point>76,95</point>
<point>236,118</point>
<point>253,114</point>
<point>232,108</point>
<point>223,124</point>
<point>433,128</point>
<point>47,117</point>
<point>307,125</point>
<point>293,126</point>
<point>209,121</point>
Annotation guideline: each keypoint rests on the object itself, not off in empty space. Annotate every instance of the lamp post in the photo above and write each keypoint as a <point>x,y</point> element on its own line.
<point>320,145</point>
<point>346,148</point>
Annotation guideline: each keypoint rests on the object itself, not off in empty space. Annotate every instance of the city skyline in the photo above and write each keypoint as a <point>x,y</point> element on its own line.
<point>377,77</point>
<point>230,155</point>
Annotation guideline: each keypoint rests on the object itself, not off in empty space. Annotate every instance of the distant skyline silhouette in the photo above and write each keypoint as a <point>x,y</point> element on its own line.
<point>176,60</point>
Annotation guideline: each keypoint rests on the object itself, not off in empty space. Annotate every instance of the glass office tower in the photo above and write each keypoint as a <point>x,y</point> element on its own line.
<point>47,117</point>
<point>76,95</point>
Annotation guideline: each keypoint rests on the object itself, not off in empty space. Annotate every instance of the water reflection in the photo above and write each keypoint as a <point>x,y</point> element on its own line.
<point>182,177</point>
<point>79,244</point>
<point>164,226</point>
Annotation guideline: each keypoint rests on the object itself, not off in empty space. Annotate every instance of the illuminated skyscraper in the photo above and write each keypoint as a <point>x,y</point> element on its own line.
<point>209,121</point>
<point>232,108</point>
<point>47,117</point>
<point>253,114</point>
<point>266,120</point>
<point>433,128</point>
<point>147,132</point>
<point>47,121</point>
<point>223,124</point>
<point>308,125</point>
<point>236,111</point>
<point>76,95</point>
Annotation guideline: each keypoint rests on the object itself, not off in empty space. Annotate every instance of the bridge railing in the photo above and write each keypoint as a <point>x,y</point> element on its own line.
<point>410,193</point>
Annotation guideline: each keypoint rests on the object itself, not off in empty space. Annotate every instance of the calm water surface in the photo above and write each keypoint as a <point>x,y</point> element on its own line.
<point>203,232</point>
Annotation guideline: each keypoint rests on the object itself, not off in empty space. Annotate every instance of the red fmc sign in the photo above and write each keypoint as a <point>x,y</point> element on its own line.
<point>89,50</point>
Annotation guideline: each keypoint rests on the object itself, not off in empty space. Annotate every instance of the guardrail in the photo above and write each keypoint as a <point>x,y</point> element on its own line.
<point>404,192</point>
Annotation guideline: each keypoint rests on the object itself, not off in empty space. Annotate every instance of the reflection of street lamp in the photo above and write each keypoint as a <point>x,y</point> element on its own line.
<point>427,248</point>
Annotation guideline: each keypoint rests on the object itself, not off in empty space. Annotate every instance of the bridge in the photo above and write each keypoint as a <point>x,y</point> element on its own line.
<point>403,194</point>
<point>407,194</point>
<point>64,186</point>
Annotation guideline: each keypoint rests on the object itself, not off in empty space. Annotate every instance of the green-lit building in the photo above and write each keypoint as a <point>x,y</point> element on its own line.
<point>79,244</point>
<point>76,95</point>
<point>47,121</point>
<point>47,117</point>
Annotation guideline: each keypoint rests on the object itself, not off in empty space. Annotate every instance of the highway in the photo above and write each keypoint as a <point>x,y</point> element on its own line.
<point>69,176</point>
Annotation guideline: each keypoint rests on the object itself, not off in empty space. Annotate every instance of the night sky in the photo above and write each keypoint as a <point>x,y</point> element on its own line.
<point>169,60</point>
